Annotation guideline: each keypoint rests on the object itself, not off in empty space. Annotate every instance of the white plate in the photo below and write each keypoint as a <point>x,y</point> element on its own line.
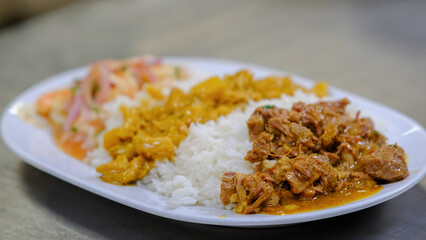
<point>35,146</point>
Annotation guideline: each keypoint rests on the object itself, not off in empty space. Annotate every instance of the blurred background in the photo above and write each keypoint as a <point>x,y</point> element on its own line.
<point>17,10</point>
<point>376,49</point>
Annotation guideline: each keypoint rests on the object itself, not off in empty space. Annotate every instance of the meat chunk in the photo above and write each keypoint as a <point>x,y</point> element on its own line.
<point>355,180</point>
<point>227,188</point>
<point>263,147</point>
<point>386,163</point>
<point>362,127</point>
<point>328,138</point>
<point>336,106</point>
<point>296,133</point>
<point>310,171</point>
<point>271,111</point>
<point>255,125</point>
<point>249,191</point>
<point>261,116</point>
<point>317,116</point>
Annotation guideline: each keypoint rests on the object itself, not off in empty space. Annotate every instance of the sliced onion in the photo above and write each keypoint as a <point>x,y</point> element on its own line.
<point>86,88</point>
<point>104,84</point>
<point>74,110</point>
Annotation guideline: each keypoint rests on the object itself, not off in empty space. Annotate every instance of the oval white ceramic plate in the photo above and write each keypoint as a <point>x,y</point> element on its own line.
<point>35,146</point>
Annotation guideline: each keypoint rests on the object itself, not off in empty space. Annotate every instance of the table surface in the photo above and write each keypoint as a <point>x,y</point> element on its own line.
<point>376,49</point>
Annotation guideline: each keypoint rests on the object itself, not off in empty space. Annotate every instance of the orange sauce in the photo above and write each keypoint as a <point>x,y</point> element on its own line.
<point>321,202</point>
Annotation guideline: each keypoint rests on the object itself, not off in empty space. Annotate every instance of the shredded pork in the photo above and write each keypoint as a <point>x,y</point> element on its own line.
<point>309,151</point>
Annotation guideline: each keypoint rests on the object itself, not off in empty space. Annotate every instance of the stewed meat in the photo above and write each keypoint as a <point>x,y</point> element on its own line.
<point>248,191</point>
<point>256,125</point>
<point>308,151</point>
<point>312,171</point>
<point>386,163</point>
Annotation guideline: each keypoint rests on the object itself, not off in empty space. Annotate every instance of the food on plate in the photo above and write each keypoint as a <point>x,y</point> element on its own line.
<point>151,134</point>
<point>308,152</point>
<point>76,113</point>
<point>235,142</point>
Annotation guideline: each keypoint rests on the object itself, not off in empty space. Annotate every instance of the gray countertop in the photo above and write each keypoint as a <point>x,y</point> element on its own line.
<point>376,49</point>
